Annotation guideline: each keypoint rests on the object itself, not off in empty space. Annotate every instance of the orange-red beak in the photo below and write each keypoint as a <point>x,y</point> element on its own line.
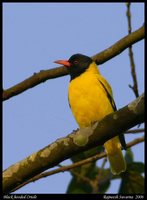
<point>66,63</point>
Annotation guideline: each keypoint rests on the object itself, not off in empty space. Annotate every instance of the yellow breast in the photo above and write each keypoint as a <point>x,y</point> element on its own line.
<point>88,98</point>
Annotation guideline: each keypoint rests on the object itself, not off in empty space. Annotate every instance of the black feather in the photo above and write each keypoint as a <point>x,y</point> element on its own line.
<point>121,136</point>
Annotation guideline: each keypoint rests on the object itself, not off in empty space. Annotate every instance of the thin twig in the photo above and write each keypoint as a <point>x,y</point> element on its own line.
<point>101,169</point>
<point>135,131</point>
<point>96,181</point>
<point>82,178</point>
<point>132,63</point>
<point>77,164</point>
<point>135,141</point>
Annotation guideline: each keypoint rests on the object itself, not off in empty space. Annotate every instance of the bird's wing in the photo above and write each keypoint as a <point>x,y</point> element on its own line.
<point>109,93</point>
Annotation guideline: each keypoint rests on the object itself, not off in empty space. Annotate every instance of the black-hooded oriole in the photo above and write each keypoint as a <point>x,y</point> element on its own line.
<point>91,99</point>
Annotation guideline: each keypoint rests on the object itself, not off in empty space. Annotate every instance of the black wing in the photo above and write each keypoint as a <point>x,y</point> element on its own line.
<point>121,136</point>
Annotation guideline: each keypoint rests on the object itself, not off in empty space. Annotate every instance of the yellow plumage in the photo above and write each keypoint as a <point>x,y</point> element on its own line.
<point>89,102</point>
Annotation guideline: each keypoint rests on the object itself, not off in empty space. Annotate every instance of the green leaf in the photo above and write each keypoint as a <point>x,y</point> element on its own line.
<point>129,156</point>
<point>132,180</point>
<point>78,184</point>
<point>83,175</point>
<point>78,187</point>
<point>105,181</point>
<point>136,166</point>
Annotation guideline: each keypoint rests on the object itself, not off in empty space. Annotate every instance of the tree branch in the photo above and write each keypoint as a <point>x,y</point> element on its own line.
<point>119,46</point>
<point>132,63</point>
<point>99,58</point>
<point>135,131</point>
<point>74,165</point>
<point>96,182</point>
<point>76,142</point>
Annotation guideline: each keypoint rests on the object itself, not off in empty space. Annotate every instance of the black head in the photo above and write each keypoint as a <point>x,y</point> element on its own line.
<point>78,64</point>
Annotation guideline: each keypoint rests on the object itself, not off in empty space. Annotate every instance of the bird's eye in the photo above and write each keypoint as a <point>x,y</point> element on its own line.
<point>75,62</point>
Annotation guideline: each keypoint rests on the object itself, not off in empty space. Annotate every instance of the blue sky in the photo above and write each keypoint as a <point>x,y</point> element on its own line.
<point>34,36</point>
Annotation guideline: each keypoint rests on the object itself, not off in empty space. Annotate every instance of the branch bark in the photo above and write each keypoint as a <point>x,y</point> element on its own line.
<point>99,58</point>
<point>76,142</point>
<point>74,165</point>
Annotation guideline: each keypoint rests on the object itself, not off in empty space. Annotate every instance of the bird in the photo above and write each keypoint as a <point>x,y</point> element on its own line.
<point>91,98</point>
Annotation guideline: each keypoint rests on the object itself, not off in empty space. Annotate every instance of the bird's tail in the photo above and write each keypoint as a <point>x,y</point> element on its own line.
<point>115,156</point>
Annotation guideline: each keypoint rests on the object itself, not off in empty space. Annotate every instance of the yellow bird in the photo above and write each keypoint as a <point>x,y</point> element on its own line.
<point>91,99</point>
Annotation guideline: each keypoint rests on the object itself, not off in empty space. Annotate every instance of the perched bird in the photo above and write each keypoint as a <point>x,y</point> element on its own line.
<point>91,99</point>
